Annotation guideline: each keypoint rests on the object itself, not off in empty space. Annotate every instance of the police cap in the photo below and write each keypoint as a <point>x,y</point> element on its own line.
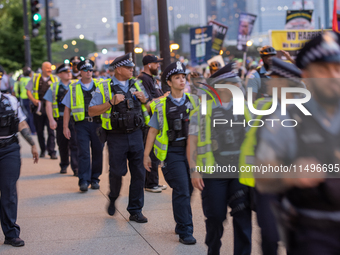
<point>322,48</point>
<point>86,64</point>
<point>284,69</point>
<point>173,68</point>
<point>64,68</point>
<point>228,73</point>
<point>125,60</point>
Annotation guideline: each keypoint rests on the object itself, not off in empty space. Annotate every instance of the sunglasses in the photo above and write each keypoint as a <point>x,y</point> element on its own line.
<point>87,70</point>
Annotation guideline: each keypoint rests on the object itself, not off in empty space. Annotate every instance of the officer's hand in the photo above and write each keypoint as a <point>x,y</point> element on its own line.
<point>67,133</point>
<point>117,99</point>
<point>147,163</point>
<point>53,124</point>
<point>140,95</point>
<point>197,181</point>
<point>36,102</point>
<point>35,154</point>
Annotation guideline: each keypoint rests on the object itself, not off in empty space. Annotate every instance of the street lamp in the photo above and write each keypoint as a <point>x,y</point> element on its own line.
<point>104,51</point>
<point>174,46</point>
<point>138,50</point>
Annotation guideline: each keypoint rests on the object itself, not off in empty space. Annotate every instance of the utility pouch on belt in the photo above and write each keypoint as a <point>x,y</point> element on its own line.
<point>120,121</point>
<point>101,133</point>
<point>114,120</point>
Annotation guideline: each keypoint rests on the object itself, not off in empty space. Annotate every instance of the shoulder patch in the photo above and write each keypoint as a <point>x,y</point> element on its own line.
<point>97,90</point>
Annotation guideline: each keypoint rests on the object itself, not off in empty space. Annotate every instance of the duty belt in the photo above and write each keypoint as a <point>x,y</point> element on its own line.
<point>181,143</point>
<point>92,119</point>
<point>8,141</point>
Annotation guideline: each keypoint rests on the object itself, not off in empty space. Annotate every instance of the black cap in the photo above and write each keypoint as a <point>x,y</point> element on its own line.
<point>322,48</point>
<point>151,59</point>
<point>284,69</point>
<point>173,68</point>
<point>75,60</point>
<point>125,60</point>
<point>26,71</point>
<point>85,64</point>
<point>227,73</point>
<point>64,68</point>
<point>267,50</point>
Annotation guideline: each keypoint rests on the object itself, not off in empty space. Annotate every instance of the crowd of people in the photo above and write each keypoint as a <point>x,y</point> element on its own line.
<point>175,123</point>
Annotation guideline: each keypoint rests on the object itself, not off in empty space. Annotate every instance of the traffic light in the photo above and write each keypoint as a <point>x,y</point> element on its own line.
<point>36,17</point>
<point>56,31</point>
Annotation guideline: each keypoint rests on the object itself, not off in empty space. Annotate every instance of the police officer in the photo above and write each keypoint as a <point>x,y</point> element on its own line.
<point>36,89</point>
<point>21,92</point>
<point>12,120</point>
<point>151,66</point>
<point>75,72</point>
<point>77,102</point>
<point>310,207</point>
<point>219,145</point>
<point>282,75</point>
<point>121,103</point>
<point>55,114</point>
<point>168,134</point>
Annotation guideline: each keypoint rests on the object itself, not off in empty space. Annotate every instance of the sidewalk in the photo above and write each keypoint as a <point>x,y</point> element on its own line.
<point>55,218</point>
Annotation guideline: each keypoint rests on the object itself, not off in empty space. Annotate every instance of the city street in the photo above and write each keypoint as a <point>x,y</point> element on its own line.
<point>55,218</point>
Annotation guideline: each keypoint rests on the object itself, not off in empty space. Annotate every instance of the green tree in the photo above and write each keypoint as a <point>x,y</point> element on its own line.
<point>82,48</point>
<point>12,49</point>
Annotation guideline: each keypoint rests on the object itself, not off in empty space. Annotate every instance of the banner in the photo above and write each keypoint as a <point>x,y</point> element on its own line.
<point>200,43</point>
<point>299,19</point>
<point>336,16</point>
<point>292,40</point>
<point>245,28</point>
<point>219,32</point>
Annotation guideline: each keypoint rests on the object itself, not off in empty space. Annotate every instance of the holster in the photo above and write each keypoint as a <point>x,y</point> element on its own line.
<point>101,133</point>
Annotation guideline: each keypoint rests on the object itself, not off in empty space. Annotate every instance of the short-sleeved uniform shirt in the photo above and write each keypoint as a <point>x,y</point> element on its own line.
<point>97,99</point>
<point>49,97</point>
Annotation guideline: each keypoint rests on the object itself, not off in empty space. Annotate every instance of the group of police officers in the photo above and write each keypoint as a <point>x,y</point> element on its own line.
<point>303,211</point>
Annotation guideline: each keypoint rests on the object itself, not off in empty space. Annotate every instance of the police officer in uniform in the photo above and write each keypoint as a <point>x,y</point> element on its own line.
<point>55,113</point>
<point>21,92</point>
<point>36,89</point>
<point>168,134</point>
<point>12,120</point>
<point>121,103</point>
<point>77,102</point>
<point>310,208</point>
<point>219,145</point>
<point>282,75</point>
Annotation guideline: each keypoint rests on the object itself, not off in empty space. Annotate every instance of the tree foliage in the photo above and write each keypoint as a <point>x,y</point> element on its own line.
<point>12,48</point>
<point>59,54</point>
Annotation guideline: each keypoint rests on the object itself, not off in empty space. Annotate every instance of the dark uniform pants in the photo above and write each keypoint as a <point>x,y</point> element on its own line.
<point>86,135</point>
<point>9,174</point>
<point>176,174</point>
<point>267,222</point>
<point>129,147</point>
<point>67,147</point>
<point>151,178</point>
<point>215,199</point>
<point>40,121</point>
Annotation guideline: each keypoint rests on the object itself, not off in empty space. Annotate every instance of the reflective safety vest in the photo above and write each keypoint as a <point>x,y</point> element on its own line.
<point>205,156</point>
<point>55,91</point>
<point>36,79</point>
<point>162,140</point>
<point>247,156</point>
<point>20,87</point>
<point>77,101</point>
<point>105,90</point>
